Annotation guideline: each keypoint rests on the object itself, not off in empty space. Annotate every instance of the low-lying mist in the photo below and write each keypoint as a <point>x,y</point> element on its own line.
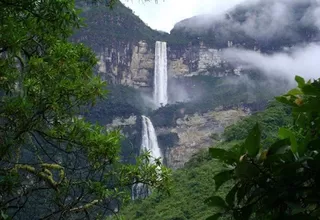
<point>298,60</point>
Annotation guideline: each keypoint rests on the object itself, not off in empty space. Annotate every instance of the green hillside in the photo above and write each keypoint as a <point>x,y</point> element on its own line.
<point>111,27</point>
<point>194,183</point>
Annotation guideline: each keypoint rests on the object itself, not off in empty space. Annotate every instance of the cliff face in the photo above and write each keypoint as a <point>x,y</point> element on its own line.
<point>125,45</point>
<point>133,64</point>
<point>197,132</point>
<point>186,61</point>
<point>125,49</point>
<point>130,65</point>
<point>179,143</point>
<point>122,42</point>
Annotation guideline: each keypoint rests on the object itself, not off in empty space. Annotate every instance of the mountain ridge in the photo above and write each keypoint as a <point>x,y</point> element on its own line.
<point>269,25</point>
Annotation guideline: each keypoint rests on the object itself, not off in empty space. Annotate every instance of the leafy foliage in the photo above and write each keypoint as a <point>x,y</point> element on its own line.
<point>281,180</point>
<point>109,28</point>
<point>186,196</point>
<point>54,164</point>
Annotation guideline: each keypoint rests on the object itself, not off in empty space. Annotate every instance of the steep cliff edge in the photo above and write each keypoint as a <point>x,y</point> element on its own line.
<point>124,45</point>
<point>121,41</point>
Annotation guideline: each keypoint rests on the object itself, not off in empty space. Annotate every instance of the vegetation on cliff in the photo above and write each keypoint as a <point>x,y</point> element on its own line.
<point>205,93</point>
<point>109,28</point>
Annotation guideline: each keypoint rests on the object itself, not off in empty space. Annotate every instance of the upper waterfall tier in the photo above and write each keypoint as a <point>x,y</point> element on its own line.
<point>160,94</point>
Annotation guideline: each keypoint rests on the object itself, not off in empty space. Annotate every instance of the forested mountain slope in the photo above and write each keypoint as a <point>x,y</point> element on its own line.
<point>266,25</point>
<point>194,183</point>
<point>105,27</point>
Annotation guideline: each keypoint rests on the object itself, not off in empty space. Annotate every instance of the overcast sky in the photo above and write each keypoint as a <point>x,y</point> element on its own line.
<point>166,13</point>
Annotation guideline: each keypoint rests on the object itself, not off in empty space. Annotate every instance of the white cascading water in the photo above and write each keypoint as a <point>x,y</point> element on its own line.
<point>149,144</point>
<point>160,93</point>
<point>149,139</point>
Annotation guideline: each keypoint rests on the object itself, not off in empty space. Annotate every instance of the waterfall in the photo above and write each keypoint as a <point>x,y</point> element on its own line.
<point>149,139</point>
<point>149,144</point>
<point>160,95</point>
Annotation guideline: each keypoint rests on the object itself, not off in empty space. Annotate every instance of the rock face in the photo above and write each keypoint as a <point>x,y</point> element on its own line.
<point>198,60</point>
<point>192,133</point>
<point>130,65</point>
<point>196,132</point>
<point>142,65</point>
<point>133,64</point>
<point>123,122</point>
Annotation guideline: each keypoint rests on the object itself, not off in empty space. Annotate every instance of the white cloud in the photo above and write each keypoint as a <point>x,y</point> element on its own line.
<point>303,61</point>
<point>164,14</point>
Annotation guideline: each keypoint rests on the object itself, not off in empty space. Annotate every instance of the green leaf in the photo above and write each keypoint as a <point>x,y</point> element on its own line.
<point>294,92</point>
<point>243,213</point>
<point>246,170</point>
<point>231,195</point>
<point>286,133</point>
<point>239,149</point>
<point>278,147</point>
<point>215,216</point>
<point>216,201</point>
<point>301,216</point>
<point>242,191</point>
<point>228,157</point>
<point>301,82</point>
<point>252,143</point>
<point>222,177</point>
<point>4,216</point>
<point>286,100</point>
<point>310,89</point>
<point>309,106</point>
<point>295,208</point>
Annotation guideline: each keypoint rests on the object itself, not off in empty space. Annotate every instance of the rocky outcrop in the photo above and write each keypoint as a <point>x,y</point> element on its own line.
<point>196,132</point>
<point>198,60</point>
<point>122,122</point>
<point>142,65</point>
<point>178,67</point>
<point>191,133</point>
<point>130,65</point>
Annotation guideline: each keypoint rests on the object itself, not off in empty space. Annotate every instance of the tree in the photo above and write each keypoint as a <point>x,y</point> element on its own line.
<point>281,181</point>
<point>54,164</point>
